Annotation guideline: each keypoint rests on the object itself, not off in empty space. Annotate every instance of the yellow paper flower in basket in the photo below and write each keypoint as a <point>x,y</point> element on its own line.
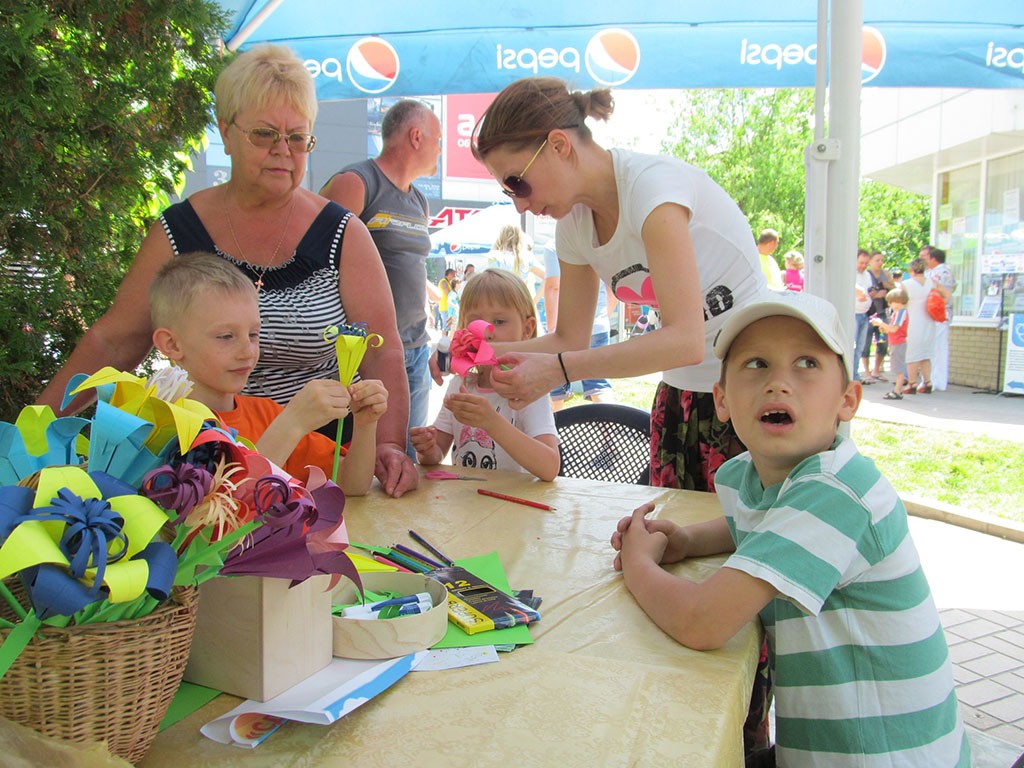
<point>137,421</point>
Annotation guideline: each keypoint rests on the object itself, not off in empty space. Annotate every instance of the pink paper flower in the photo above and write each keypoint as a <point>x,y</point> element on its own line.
<point>470,349</point>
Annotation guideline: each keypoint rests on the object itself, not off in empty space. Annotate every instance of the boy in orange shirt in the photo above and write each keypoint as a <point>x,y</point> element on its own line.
<point>207,321</point>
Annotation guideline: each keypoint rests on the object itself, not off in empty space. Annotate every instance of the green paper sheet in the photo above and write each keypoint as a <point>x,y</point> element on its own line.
<point>189,698</point>
<point>490,569</point>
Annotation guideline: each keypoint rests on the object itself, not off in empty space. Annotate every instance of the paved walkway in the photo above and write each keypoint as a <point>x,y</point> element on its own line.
<point>977,578</point>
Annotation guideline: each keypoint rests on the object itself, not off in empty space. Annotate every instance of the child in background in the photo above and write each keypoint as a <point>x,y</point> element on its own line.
<point>207,320</point>
<point>486,432</point>
<point>821,550</point>
<point>451,314</point>
<point>794,276</point>
<point>895,327</point>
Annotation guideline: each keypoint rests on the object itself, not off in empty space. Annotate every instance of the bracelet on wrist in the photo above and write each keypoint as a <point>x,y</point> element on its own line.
<point>564,373</point>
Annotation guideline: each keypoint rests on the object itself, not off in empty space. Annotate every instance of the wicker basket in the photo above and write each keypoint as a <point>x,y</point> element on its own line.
<point>109,682</point>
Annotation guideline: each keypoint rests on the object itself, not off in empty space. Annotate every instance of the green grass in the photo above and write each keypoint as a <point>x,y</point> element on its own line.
<point>974,473</point>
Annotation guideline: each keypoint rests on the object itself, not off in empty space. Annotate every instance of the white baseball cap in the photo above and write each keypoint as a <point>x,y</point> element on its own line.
<point>813,310</point>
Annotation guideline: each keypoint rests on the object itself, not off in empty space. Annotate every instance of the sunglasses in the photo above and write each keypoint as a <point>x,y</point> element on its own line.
<point>266,138</point>
<point>517,186</point>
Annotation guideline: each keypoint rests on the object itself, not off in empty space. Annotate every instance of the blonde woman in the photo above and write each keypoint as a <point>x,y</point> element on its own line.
<point>312,262</point>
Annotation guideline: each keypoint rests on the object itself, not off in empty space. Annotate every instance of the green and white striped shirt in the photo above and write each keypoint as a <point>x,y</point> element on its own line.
<point>861,665</point>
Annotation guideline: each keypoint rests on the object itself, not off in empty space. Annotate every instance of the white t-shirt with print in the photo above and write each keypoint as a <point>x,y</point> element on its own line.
<point>728,263</point>
<point>473,447</point>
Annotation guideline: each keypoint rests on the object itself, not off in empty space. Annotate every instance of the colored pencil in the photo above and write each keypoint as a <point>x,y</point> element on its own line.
<point>417,556</point>
<point>431,548</point>
<point>382,559</point>
<point>408,562</point>
<point>516,499</point>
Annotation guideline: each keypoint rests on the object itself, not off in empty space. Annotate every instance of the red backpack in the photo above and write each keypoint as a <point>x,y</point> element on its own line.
<point>936,306</point>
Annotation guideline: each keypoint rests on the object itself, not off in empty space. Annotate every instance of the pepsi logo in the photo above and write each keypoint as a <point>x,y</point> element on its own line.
<point>612,56</point>
<point>873,55</point>
<point>372,65</point>
<point>779,55</point>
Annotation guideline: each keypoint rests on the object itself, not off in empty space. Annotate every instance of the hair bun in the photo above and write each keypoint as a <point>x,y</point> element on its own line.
<point>597,103</point>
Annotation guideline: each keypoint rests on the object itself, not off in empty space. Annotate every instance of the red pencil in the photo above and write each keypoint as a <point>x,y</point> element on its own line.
<point>516,499</point>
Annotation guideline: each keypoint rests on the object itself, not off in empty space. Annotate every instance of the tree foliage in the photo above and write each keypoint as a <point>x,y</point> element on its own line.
<point>101,103</point>
<point>752,143</point>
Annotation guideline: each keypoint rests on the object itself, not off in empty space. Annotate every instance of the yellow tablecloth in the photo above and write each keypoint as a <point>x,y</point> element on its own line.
<point>601,686</point>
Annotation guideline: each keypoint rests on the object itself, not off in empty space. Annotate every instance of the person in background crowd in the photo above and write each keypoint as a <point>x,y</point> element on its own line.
<point>794,275</point>
<point>881,284</point>
<point>444,285</point>
<point>895,327</point>
<point>513,251</point>
<point>594,390</point>
<point>921,331</point>
<point>312,262</point>
<point>862,311</point>
<point>940,274</point>
<point>767,242</point>
<point>380,191</point>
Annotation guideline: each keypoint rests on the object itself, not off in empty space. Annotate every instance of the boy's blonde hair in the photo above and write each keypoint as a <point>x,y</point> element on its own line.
<point>897,295</point>
<point>500,287</point>
<point>264,75</point>
<point>184,277</point>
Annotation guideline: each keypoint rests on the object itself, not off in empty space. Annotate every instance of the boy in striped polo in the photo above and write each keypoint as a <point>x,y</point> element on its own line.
<point>821,551</point>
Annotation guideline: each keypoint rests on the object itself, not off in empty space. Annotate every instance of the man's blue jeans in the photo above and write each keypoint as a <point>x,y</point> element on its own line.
<point>418,370</point>
<point>860,340</point>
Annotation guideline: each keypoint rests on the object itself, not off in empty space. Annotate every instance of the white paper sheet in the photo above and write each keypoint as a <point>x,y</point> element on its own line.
<point>323,698</point>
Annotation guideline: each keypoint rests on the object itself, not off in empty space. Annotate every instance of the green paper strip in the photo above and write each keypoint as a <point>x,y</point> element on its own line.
<point>337,452</point>
<point>16,641</point>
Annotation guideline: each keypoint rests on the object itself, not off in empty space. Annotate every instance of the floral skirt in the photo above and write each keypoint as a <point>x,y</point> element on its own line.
<point>688,441</point>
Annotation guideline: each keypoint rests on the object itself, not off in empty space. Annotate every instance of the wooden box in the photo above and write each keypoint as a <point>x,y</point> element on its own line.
<point>256,638</point>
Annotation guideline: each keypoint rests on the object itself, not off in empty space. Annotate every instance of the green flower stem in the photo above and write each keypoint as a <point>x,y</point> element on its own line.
<point>8,596</point>
<point>16,641</point>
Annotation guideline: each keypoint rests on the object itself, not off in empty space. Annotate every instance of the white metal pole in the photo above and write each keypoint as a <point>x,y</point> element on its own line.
<point>847,21</point>
<point>245,32</point>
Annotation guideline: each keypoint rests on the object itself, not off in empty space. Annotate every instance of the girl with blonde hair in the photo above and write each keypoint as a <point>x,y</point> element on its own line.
<point>476,423</point>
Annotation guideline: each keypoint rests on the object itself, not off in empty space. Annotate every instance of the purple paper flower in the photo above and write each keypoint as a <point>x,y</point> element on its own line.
<point>179,488</point>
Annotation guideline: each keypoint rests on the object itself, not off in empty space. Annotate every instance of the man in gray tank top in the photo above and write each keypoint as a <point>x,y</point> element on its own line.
<point>380,192</point>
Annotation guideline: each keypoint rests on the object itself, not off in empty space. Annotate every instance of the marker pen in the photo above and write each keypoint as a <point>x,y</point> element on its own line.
<point>419,597</point>
<point>406,609</point>
<point>443,356</point>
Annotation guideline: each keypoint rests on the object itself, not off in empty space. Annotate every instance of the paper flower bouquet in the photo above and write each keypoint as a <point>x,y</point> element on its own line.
<point>108,521</point>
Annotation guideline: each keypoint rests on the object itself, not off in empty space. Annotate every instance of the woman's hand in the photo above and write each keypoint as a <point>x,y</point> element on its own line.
<point>530,375</point>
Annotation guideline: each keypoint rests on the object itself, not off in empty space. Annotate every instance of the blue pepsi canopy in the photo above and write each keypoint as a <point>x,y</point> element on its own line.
<point>355,50</point>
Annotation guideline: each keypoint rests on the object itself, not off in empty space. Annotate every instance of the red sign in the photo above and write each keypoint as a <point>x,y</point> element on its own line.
<point>461,113</point>
<point>448,216</point>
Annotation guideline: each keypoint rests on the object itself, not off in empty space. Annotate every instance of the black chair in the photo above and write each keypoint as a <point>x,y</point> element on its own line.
<point>605,441</point>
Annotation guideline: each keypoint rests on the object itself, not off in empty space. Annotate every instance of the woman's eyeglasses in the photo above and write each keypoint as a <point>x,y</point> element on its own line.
<point>517,186</point>
<point>266,138</point>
